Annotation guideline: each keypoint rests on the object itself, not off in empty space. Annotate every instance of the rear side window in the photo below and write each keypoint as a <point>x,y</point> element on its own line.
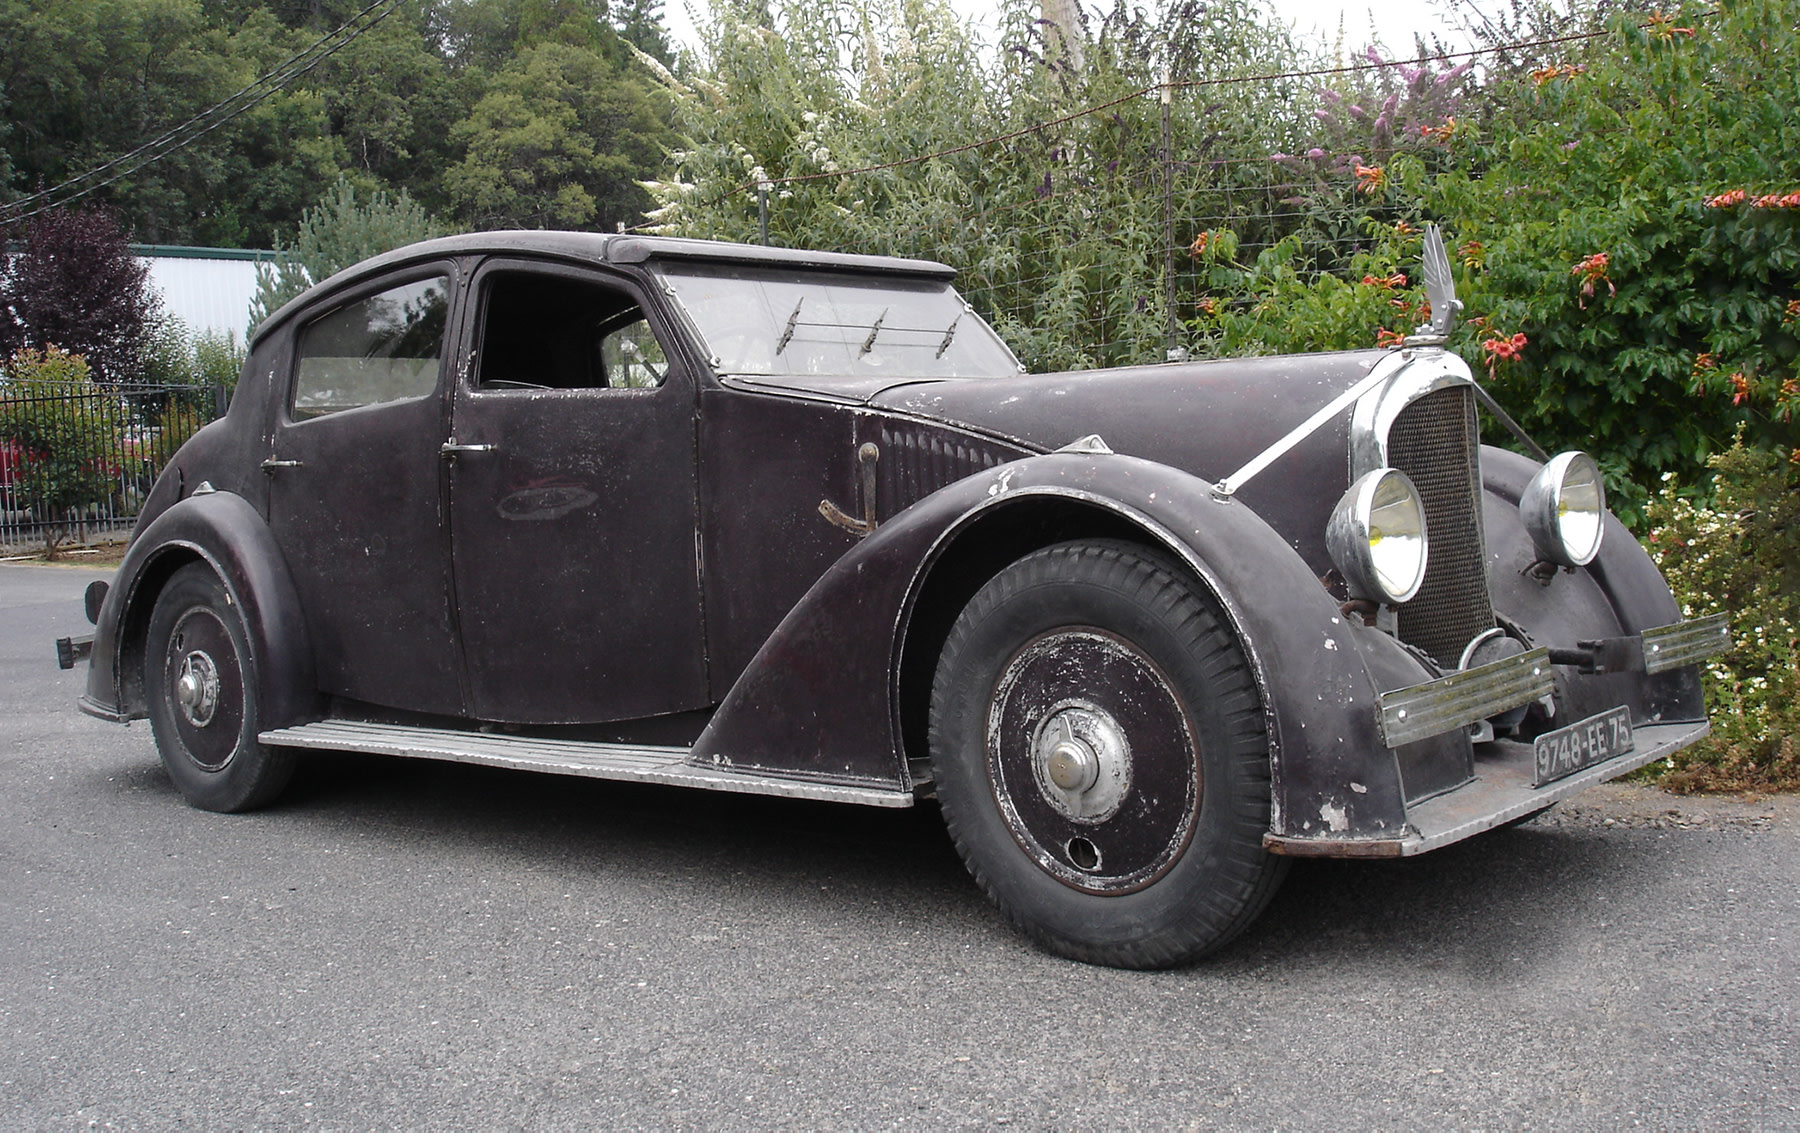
<point>383,347</point>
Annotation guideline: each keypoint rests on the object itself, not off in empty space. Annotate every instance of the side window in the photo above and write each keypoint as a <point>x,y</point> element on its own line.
<point>551,331</point>
<point>384,347</point>
<point>632,358</point>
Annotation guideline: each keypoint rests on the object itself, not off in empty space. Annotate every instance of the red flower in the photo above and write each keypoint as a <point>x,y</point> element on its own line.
<point>1777,201</point>
<point>1663,27</point>
<point>1441,133</point>
<point>1560,71</point>
<point>1385,338</point>
<point>1386,282</point>
<point>1501,350</point>
<point>1740,386</point>
<point>1726,200</point>
<point>1370,179</point>
<point>1592,270</point>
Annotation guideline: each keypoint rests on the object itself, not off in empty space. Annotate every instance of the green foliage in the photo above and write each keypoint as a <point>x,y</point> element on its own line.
<point>1598,197</point>
<point>84,82</point>
<point>1737,552</point>
<point>559,140</point>
<point>64,426</point>
<point>1058,227</point>
<point>1281,303</point>
<point>338,231</point>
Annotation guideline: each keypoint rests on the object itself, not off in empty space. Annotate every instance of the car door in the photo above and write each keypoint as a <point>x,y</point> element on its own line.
<point>355,494</point>
<point>572,502</point>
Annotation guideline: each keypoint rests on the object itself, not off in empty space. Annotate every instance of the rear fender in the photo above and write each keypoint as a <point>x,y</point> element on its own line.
<point>826,696</point>
<point>222,530</point>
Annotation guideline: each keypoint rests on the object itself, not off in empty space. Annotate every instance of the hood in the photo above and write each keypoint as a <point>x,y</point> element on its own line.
<point>1205,418</point>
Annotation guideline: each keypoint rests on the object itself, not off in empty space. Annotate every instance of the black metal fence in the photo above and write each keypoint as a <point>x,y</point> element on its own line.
<point>77,459</point>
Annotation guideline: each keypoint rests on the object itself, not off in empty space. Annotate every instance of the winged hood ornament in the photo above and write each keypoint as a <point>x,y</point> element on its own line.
<point>1440,291</point>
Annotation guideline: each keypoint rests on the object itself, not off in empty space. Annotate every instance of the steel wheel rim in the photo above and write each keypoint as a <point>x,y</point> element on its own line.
<point>205,689</point>
<point>1092,760</point>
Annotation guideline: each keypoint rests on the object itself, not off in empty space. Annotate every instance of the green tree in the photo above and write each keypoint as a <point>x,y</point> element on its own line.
<point>560,139</point>
<point>338,231</point>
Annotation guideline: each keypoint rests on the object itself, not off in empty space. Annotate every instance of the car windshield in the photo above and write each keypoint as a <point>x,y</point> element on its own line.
<point>768,321</point>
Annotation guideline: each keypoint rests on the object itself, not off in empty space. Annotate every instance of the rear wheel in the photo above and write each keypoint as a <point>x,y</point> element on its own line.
<point>1100,755</point>
<point>200,679</point>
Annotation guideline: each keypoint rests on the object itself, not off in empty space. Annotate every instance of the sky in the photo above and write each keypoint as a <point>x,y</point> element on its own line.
<point>1394,21</point>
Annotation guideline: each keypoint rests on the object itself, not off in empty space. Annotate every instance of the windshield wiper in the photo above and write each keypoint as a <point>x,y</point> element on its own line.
<point>869,342</point>
<point>793,321</point>
<point>949,333</point>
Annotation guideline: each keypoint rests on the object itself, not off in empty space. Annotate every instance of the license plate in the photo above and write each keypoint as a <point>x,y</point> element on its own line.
<point>1583,744</point>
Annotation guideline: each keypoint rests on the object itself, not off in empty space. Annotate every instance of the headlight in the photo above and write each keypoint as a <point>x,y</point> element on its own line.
<point>1563,507</point>
<point>1377,537</point>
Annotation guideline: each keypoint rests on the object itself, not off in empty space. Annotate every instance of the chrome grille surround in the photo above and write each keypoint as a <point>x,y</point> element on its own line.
<point>1423,423</point>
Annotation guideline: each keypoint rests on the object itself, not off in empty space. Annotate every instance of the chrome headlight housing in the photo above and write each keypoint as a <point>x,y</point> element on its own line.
<point>1564,508</point>
<point>1377,537</point>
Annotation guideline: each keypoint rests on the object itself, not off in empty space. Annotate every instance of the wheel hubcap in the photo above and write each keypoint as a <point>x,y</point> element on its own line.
<point>1092,760</point>
<point>1082,761</point>
<point>197,689</point>
<point>204,686</point>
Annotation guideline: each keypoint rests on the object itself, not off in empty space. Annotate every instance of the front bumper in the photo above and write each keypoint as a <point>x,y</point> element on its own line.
<point>1500,786</point>
<point>1500,792</point>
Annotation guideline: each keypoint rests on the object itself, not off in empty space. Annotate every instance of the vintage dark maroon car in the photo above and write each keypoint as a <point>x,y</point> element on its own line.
<point>797,523</point>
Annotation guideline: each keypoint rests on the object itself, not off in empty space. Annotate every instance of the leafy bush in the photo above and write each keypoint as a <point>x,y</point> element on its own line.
<point>1737,552</point>
<point>66,429</point>
<point>1633,210</point>
<point>334,233</point>
<point>75,286</point>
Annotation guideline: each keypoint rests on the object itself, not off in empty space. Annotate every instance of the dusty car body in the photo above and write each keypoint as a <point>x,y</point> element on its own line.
<point>775,521</point>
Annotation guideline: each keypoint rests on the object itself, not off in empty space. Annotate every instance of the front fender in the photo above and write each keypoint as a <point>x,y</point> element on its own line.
<point>1619,593</point>
<point>226,532</point>
<point>822,699</point>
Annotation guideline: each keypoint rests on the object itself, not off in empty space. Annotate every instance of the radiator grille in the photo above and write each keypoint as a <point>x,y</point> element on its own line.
<point>1436,442</point>
<point>916,461</point>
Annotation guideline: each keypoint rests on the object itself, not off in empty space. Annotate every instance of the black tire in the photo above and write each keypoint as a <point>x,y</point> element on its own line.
<point>200,677</point>
<point>1100,754</point>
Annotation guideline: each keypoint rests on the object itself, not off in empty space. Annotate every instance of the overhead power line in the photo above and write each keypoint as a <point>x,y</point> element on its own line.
<point>187,133</point>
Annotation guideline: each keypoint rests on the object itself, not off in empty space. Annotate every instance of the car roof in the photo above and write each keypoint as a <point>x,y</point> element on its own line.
<point>602,247</point>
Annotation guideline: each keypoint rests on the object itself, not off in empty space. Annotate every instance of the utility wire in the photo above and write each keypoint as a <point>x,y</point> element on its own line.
<point>187,133</point>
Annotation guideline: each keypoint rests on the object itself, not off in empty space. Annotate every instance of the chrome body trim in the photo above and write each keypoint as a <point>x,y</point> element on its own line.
<point>1684,643</point>
<point>1386,368</point>
<point>1424,371</point>
<point>669,766</point>
<point>1406,715</point>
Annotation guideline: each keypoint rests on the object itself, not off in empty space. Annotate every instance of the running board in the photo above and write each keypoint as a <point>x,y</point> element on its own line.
<point>624,762</point>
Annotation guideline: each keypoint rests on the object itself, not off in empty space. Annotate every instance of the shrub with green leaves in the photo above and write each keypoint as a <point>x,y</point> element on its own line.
<point>1737,552</point>
<point>65,431</point>
<point>339,230</point>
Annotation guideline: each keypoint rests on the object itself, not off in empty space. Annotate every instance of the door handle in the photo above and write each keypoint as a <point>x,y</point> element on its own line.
<point>270,465</point>
<point>451,448</point>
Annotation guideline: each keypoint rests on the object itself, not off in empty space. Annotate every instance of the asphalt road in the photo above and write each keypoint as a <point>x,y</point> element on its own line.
<point>435,946</point>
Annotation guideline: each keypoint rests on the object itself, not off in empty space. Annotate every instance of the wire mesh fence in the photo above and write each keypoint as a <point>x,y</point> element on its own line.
<point>78,458</point>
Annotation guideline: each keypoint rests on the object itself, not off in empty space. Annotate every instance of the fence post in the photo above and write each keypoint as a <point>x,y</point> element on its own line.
<point>762,211</point>
<point>1170,351</point>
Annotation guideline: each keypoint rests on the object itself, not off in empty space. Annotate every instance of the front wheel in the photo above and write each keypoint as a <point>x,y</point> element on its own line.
<point>1100,754</point>
<point>200,679</point>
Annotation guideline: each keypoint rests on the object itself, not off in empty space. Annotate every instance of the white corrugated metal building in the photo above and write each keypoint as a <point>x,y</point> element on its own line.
<point>206,288</point>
